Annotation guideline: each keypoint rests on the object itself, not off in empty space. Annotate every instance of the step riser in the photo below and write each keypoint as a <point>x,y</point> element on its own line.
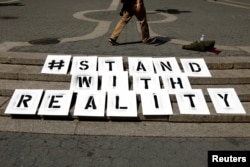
<point>25,73</point>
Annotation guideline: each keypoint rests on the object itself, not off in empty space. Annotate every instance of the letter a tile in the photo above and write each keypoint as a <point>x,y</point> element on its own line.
<point>90,104</point>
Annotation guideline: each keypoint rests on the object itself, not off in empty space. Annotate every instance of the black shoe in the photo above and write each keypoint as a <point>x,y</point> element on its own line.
<point>151,41</point>
<point>113,42</point>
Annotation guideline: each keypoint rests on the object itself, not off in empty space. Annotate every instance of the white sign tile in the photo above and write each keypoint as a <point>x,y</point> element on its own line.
<point>56,103</point>
<point>142,82</point>
<point>110,65</point>
<point>195,67</point>
<point>140,65</point>
<point>156,103</point>
<point>121,104</point>
<point>24,102</point>
<point>83,64</point>
<point>192,102</point>
<point>84,81</point>
<point>226,101</point>
<point>90,103</point>
<point>176,82</point>
<point>166,65</point>
<point>56,64</point>
<point>115,81</point>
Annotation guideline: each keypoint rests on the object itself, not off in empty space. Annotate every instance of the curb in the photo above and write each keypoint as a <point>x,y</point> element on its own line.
<point>9,1</point>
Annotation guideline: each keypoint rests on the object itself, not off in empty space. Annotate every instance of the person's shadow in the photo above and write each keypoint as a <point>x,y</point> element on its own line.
<point>11,4</point>
<point>159,40</point>
<point>156,41</point>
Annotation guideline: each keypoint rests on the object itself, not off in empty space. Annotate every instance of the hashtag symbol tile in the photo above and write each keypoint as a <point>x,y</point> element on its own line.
<point>55,64</point>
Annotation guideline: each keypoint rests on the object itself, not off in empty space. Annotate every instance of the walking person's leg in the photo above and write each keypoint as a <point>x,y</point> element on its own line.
<point>142,18</point>
<point>119,27</point>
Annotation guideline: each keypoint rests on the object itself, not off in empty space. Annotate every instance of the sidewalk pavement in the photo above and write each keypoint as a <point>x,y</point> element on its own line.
<point>171,22</point>
<point>21,61</point>
<point>8,2</point>
<point>30,30</point>
<point>84,29</point>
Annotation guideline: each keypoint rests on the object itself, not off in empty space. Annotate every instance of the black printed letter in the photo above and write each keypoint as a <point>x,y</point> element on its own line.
<point>91,103</point>
<point>198,69</point>
<point>84,80</point>
<point>24,100</point>
<point>53,100</point>
<point>114,81</point>
<point>225,99</point>
<point>86,66</point>
<point>156,101</point>
<point>191,100</point>
<point>117,105</point>
<point>140,67</point>
<point>146,82</point>
<point>174,83</point>
<point>110,64</point>
<point>167,65</point>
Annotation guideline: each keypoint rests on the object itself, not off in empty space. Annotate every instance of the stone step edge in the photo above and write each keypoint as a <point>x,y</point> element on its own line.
<point>213,62</point>
<point>176,117</point>
<point>7,87</point>
<point>33,73</point>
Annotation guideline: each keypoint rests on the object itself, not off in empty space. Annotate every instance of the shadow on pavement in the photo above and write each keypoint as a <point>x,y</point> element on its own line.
<point>158,40</point>
<point>172,11</point>
<point>11,4</point>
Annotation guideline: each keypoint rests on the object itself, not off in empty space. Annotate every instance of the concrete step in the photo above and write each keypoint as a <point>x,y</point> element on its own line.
<point>33,73</point>
<point>176,117</point>
<point>242,90</point>
<point>22,58</point>
<point>38,59</point>
<point>7,87</point>
<point>23,71</point>
<point>213,117</point>
<point>29,72</point>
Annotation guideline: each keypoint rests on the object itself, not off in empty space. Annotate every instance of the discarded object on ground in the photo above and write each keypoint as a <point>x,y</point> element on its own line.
<point>202,46</point>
